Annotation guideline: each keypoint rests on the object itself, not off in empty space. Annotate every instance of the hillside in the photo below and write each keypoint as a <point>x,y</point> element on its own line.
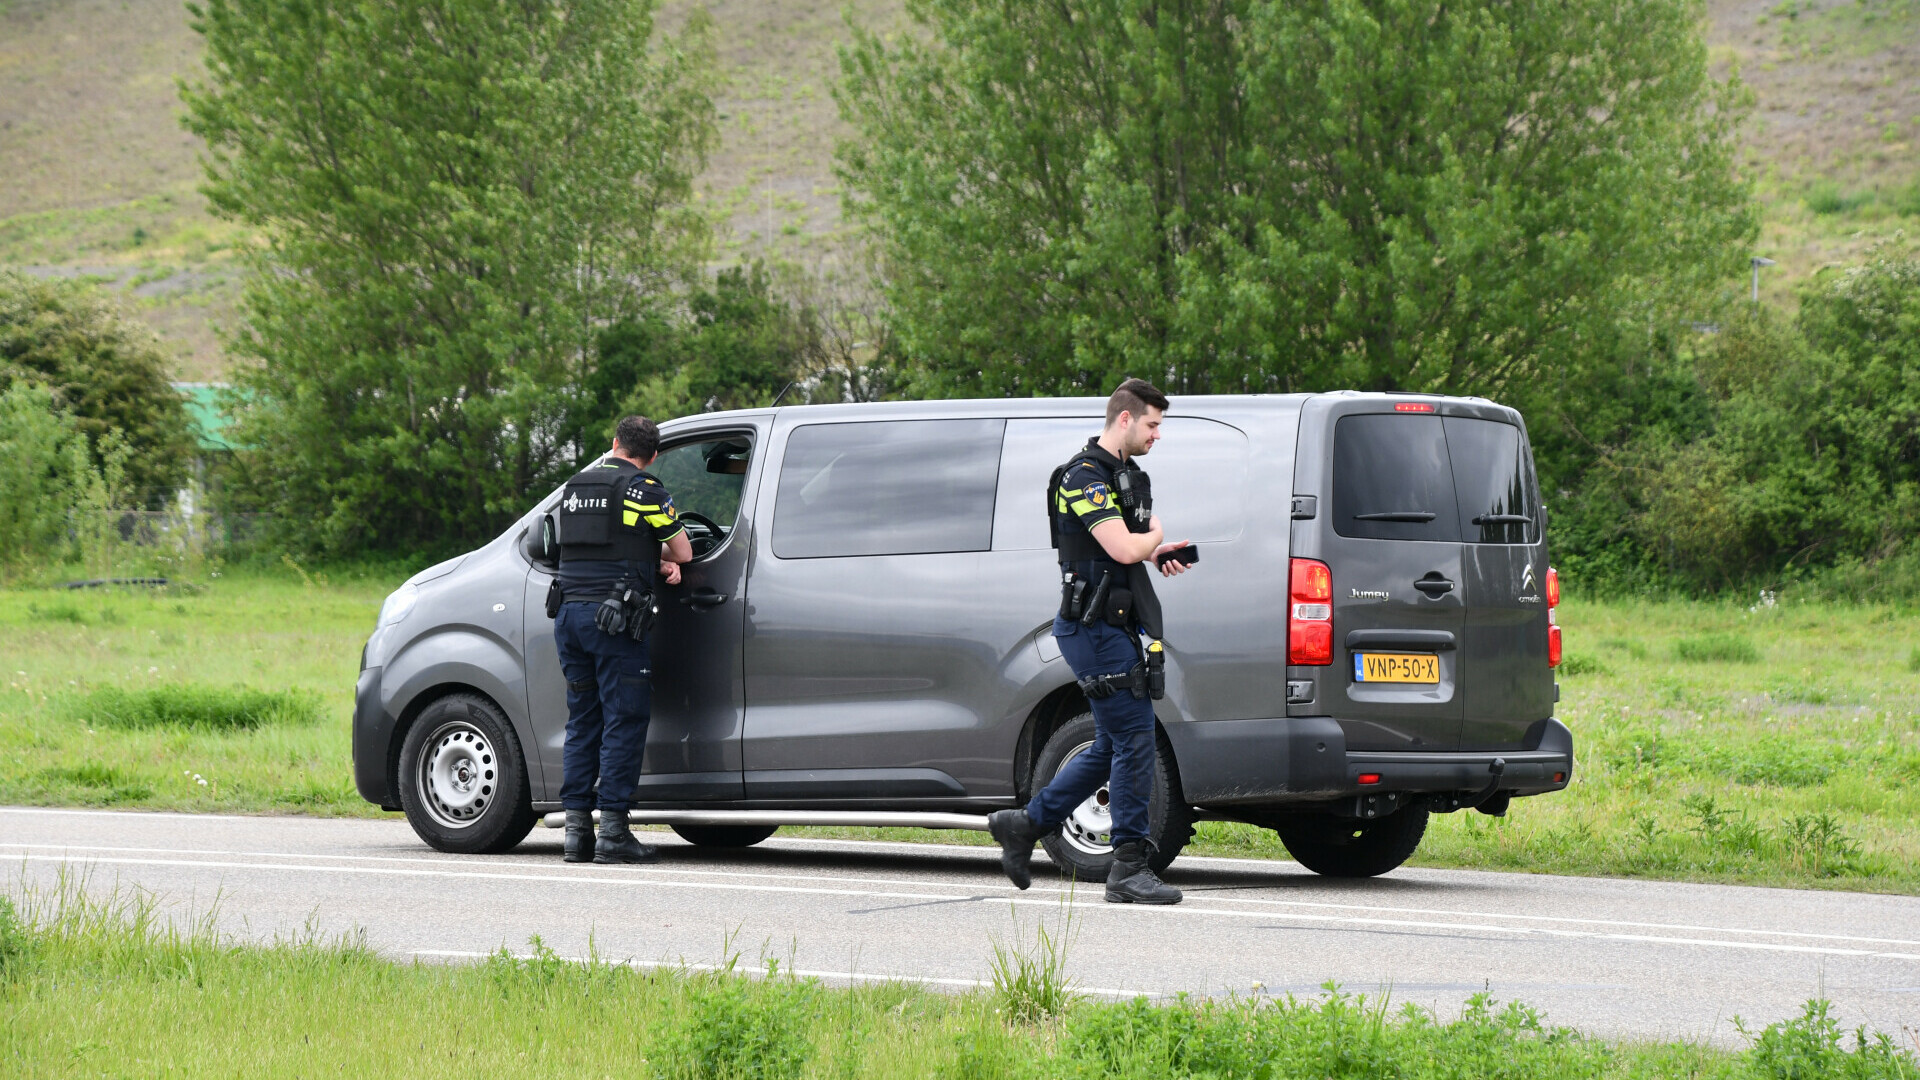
<point>99,178</point>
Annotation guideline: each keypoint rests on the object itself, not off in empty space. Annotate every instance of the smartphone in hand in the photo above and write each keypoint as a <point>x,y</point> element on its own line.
<point>1185,555</point>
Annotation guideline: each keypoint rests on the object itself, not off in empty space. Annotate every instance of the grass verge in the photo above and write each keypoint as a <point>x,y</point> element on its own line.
<point>103,984</point>
<point>1770,744</point>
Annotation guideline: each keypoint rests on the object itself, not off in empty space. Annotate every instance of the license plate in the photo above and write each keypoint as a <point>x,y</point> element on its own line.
<point>1396,667</point>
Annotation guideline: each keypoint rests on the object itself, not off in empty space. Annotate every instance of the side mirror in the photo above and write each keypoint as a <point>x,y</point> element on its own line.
<point>542,546</point>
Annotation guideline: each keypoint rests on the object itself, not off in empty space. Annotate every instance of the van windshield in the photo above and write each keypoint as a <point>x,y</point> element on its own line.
<point>1401,476</point>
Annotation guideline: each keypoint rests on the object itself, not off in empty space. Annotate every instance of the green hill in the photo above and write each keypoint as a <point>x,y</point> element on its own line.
<point>99,178</point>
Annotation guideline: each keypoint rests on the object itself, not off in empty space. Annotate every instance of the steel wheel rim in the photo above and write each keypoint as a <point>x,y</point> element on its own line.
<point>1089,829</point>
<point>458,773</point>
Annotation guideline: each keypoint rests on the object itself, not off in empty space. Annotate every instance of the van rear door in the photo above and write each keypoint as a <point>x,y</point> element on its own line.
<point>1389,531</point>
<point>1504,560</point>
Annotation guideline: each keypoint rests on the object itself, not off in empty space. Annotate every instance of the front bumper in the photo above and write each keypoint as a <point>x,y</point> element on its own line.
<point>373,743</point>
<point>1304,759</point>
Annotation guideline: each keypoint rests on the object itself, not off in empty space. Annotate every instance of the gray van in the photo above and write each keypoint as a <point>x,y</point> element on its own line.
<point>863,636</point>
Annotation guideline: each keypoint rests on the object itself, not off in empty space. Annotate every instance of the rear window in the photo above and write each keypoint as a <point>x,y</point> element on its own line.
<point>1493,482</point>
<point>897,487</point>
<point>1423,477</point>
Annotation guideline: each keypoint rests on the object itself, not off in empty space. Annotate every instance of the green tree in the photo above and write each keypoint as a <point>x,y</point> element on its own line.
<point>106,373</point>
<point>1810,452</point>
<point>1257,195</point>
<point>456,196</point>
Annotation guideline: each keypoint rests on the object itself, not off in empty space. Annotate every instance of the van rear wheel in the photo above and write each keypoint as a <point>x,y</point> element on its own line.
<point>1082,848</point>
<point>724,836</point>
<point>1353,847</point>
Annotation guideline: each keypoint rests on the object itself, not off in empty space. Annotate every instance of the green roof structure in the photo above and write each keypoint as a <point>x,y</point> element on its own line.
<point>210,422</point>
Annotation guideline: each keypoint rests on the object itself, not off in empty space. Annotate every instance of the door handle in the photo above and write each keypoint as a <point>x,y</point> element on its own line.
<point>1434,585</point>
<point>705,598</point>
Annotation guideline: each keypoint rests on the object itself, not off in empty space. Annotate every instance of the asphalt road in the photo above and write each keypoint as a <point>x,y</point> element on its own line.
<point>1618,958</point>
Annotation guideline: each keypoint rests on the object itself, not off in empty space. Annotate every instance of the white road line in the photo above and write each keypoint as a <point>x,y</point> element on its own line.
<point>1183,909</point>
<point>648,873</point>
<point>804,973</point>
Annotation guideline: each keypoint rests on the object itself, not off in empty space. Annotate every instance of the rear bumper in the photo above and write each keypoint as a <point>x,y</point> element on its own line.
<point>1303,759</point>
<point>372,742</point>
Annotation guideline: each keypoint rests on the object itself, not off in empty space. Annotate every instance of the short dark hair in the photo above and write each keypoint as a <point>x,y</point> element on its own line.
<point>637,437</point>
<point>1134,396</point>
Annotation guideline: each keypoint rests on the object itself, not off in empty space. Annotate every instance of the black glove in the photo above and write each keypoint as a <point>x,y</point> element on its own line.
<point>611,615</point>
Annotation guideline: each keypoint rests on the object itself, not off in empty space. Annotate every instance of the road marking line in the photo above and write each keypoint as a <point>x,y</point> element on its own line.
<point>805,973</point>
<point>650,873</point>
<point>1150,912</point>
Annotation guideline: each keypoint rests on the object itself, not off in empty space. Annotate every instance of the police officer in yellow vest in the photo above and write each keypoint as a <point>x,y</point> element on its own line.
<point>1105,531</point>
<point>617,530</point>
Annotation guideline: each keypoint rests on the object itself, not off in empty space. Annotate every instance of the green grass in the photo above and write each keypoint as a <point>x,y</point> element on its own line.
<point>106,986</point>
<point>233,695</point>
<point>1773,745</point>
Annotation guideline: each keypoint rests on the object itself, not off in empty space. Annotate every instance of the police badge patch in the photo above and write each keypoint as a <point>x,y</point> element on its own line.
<point>1096,495</point>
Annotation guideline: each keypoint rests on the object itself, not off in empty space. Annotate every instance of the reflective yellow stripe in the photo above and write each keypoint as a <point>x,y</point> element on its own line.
<point>642,507</point>
<point>658,520</point>
<point>1082,507</point>
<point>629,518</point>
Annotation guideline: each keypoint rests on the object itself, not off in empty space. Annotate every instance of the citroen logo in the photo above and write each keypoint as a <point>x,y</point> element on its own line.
<point>1526,579</point>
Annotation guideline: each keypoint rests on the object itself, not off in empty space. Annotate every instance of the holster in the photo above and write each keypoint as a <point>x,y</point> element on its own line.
<point>555,597</point>
<point>1100,687</point>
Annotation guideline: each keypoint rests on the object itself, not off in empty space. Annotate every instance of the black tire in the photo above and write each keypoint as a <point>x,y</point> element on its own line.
<point>725,836</point>
<point>463,780</point>
<point>1085,856</point>
<point>1353,847</point>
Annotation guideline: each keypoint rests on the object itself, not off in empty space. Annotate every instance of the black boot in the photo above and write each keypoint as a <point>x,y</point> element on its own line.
<point>616,844</point>
<point>1017,834</point>
<point>1132,881</point>
<point>579,836</point>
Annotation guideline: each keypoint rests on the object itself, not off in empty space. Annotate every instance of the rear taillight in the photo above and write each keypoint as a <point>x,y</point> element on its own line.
<point>1310,614</point>
<point>1553,626</point>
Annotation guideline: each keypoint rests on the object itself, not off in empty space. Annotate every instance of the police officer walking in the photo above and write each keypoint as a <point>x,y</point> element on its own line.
<point>617,530</point>
<point>1105,529</point>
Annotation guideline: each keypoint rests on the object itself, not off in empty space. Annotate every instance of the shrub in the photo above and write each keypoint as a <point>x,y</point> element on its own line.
<point>739,1029</point>
<point>1717,648</point>
<point>104,370</point>
<point>43,471</point>
<point>1582,664</point>
<point>1825,197</point>
<point>14,942</point>
<point>1809,1047</point>
<point>204,708</point>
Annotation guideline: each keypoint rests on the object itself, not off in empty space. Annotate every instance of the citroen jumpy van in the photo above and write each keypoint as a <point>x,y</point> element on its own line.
<point>863,636</point>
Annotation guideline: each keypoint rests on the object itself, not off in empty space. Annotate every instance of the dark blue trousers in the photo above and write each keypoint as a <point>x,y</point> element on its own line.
<point>609,701</point>
<point>1122,753</point>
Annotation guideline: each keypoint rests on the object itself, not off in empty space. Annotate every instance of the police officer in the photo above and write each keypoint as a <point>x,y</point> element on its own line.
<point>1105,529</point>
<point>617,530</point>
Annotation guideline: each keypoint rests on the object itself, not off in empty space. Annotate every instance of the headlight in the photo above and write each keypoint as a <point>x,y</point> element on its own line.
<point>398,604</point>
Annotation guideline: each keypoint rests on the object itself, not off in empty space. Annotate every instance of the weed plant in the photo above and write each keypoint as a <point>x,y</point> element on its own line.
<point>103,983</point>
<point>1030,980</point>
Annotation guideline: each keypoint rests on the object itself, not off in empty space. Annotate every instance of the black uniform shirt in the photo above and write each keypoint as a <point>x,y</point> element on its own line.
<point>646,508</point>
<point>1085,497</point>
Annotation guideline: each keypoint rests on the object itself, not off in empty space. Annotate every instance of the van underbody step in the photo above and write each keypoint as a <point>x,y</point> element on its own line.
<point>897,819</point>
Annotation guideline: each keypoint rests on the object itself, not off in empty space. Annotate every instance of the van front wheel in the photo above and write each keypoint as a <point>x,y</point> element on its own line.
<point>1353,847</point>
<point>463,782</point>
<point>1082,847</point>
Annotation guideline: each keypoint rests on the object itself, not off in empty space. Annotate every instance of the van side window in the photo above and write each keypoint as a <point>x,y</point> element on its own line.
<point>1495,485</point>
<point>896,487</point>
<point>1391,480</point>
<point>705,478</point>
